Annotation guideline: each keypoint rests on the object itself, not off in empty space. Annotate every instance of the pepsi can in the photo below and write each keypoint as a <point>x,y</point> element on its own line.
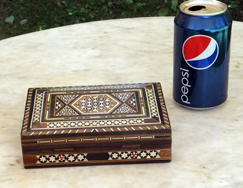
<point>202,34</point>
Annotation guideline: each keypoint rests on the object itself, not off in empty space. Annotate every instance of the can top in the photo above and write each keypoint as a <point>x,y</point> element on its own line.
<point>203,7</point>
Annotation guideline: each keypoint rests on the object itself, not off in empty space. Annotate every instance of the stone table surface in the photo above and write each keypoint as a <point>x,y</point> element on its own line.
<point>207,145</point>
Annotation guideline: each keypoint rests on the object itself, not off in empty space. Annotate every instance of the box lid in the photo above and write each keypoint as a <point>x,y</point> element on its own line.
<point>95,113</point>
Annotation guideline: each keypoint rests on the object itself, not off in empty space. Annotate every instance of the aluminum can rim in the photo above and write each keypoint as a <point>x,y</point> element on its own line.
<point>214,7</point>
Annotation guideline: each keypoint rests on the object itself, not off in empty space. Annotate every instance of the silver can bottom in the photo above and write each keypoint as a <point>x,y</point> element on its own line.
<point>198,109</point>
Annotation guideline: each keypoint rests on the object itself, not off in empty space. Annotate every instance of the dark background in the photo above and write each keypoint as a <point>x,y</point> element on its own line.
<point>23,16</point>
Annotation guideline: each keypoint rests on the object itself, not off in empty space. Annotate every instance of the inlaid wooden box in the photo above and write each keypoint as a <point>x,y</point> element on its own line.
<point>89,125</point>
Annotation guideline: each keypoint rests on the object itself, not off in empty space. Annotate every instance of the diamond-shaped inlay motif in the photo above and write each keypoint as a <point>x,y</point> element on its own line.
<point>123,96</point>
<point>67,111</point>
<point>67,98</point>
<point>58,105</point>
<point>132,101</point>
<point>97,103</point>
<point>124,109</point>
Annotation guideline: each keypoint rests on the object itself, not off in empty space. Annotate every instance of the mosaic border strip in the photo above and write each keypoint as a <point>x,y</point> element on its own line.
<point>109,156</point>
<point>61,158</point>
<point>74,124</point>
<point>38,105</point>
<point>163,107</point>
<point>126,155</point>
<point>26,121</point>
<point>95,87</point>
<point>152,103</point>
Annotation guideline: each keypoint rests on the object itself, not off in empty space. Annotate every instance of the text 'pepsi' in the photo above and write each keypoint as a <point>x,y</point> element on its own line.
<point>202,34</point>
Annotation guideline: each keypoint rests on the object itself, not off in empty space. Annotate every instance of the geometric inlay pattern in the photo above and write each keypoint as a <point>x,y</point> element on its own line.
<point>124,109</point>
<point>59,104</point>
<point>38,105</point>
<point>109,110</point>
<point>122,96</point>
<point>152,103</point>
<point>132,101</point>
<point>99,103</point>
<point>67,111</point>
<point>121,155</point>
<point>67,98</point>
<point>63,158</point>
<point>95,123</point>
<point>91,104</point>
<point>134,155</point>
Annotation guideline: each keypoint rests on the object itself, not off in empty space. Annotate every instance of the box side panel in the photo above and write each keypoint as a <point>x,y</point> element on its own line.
<point>122,156</point>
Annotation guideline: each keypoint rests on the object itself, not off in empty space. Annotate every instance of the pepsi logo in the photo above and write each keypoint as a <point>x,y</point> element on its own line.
<point>200,51</point>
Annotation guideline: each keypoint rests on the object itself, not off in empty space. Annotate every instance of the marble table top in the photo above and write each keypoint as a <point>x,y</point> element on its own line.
<point>207,145</point>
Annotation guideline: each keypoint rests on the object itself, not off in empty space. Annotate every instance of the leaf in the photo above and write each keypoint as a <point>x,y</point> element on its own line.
<point>70,12</point>
<point>163,12</point>
<point>141,4</point>
<point>10,19</point>
<point>24,21</point>
<point>129,1</point>
<point>110,4</point>
<point>174,5</point>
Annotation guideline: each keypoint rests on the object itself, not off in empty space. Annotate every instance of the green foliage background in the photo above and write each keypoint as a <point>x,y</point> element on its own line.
<point>24,16</point>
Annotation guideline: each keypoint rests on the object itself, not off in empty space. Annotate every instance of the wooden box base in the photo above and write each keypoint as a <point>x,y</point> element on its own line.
<point>90,125</point>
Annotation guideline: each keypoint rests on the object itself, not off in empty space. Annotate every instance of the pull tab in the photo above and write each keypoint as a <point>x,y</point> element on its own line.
<point>197,8</point>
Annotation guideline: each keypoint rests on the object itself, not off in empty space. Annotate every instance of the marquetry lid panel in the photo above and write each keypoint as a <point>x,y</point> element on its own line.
<point>95,109</point>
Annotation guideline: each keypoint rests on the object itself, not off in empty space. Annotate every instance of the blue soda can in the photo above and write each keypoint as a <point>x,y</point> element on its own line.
<point>202,34</point>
